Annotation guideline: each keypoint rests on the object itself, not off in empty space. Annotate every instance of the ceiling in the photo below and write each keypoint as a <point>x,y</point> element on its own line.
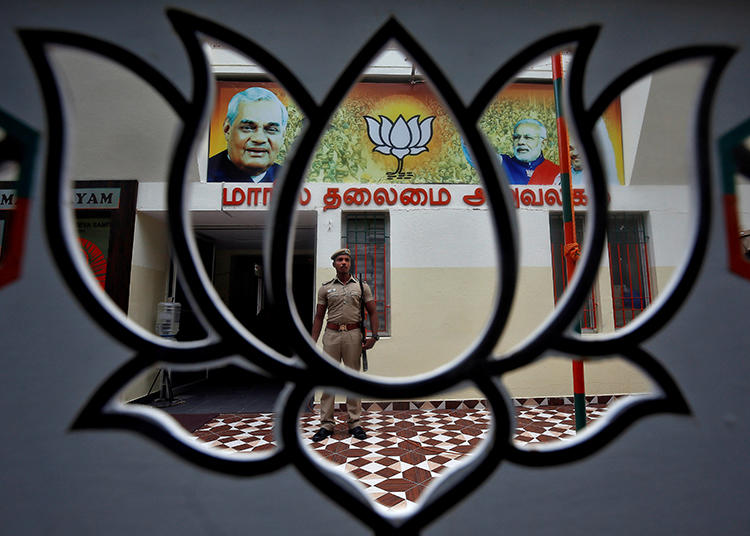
<point>245,229</point>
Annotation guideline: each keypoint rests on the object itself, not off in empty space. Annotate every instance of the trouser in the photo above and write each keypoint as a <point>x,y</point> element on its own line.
<point>346,347</point>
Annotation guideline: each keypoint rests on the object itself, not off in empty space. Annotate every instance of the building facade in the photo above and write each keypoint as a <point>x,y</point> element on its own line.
<point>423,239</point>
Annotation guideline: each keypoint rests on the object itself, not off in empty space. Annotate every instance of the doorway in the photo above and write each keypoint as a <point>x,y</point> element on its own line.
<point>232,257</point>
<point>248,301</point>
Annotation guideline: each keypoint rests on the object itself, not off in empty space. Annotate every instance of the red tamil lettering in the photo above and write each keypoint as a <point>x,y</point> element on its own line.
<point>304,201</point>
<point>414,196</point>
<point>475,200</point>
<point>332,199</point>
<point>579,197</point>
<point>528,197</point>
<point>552,197</point>
<point>381,196</point>
<point>538,202</point>
<point>238,197</point>
<point>267,195</point>
<point>252,196</point>
<point>443,197</point>
<point>357,196</point>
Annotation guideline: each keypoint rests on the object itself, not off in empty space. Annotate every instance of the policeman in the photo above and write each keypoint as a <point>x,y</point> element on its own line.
<point>342,339</point>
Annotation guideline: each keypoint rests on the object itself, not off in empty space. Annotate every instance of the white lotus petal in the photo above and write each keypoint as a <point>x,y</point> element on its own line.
<point>373,130</point>
<point>425,128</point>
<point>400,135</point>
<point>414,131</point>
<point>417,150</point>
<point>400,153</point>
<point>385,149</point>
<point>385,130</point>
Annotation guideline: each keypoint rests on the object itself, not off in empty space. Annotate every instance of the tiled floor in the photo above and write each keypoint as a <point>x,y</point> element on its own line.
<point>404,449</point>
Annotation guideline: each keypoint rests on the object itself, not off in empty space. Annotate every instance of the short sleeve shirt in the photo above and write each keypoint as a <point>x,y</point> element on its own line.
<point>342,300</point>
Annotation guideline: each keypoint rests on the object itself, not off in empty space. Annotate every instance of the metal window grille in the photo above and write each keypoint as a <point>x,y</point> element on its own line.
<point>366,235</point>
<point>589,315</point>
<point>628,266</point>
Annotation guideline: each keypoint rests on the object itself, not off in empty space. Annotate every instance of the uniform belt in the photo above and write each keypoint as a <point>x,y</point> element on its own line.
<point>342,327</point>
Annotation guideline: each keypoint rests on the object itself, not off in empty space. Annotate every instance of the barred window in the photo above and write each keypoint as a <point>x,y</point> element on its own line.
<point>628,266</point>
<point>590,313</point>
<point>368,238</point>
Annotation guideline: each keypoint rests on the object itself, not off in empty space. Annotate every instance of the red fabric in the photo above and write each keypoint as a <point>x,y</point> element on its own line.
<point>545,173</point>
<point>572,250</point>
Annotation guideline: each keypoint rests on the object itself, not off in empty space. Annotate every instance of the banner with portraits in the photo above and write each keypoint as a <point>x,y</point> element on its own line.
<point>386,132</point>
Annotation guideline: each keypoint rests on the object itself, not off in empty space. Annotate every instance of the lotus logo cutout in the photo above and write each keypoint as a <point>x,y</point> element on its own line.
<point>400,138</point>
<point>308,370</point>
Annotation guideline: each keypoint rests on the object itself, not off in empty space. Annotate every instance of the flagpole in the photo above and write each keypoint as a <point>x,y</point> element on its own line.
<point>572,249</point>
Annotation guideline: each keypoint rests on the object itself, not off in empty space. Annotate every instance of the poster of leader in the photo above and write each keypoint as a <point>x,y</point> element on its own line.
<point>249,129</point>
<point>520,124</point>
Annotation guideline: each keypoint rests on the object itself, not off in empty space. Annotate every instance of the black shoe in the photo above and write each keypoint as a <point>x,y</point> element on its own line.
<point>321,434</point>
<point>358,433</point>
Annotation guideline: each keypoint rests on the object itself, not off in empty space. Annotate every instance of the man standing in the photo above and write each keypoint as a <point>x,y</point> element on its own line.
<point>254,129</point>
<point>342,340</point>
<point>527,165</point>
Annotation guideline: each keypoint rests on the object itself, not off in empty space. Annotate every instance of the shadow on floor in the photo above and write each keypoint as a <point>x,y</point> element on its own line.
<point>228,390</point>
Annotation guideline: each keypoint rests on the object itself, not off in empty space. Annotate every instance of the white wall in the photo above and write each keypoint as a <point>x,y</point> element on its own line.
<point>453,247</point>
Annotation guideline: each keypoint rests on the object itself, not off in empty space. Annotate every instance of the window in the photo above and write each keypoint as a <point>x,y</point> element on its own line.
<point>589,315</point>
<point>628,266</point>
<point>366,235</point>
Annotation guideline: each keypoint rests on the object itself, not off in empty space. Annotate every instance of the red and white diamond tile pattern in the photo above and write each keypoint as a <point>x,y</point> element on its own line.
<point>404,450</point>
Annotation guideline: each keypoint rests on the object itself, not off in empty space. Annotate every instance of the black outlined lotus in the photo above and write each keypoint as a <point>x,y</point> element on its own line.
<point>400,138</point>
<point>306,370</point>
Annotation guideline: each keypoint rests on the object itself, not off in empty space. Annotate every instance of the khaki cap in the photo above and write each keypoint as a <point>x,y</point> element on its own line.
<point>343,251</point>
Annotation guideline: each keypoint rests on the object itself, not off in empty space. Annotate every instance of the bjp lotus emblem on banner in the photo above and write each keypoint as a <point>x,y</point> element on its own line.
<point>399,138</point>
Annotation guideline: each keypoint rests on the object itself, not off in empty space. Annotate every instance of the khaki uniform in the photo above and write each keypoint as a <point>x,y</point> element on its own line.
<point>343,304</point>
